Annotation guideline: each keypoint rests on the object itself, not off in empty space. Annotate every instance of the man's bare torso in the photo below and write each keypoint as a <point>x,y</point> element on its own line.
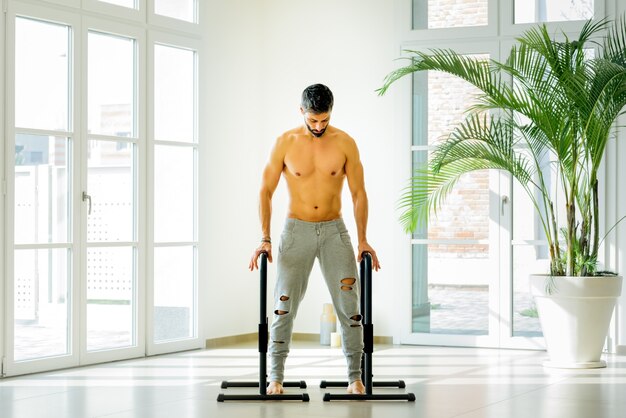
<point>314,169</point>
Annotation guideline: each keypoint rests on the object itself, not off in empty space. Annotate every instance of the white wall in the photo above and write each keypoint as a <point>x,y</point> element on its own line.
<point>266,53</point>
<point>232,118</point>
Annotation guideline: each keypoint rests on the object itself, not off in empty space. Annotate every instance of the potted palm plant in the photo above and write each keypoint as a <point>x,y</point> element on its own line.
<point>550,99</point>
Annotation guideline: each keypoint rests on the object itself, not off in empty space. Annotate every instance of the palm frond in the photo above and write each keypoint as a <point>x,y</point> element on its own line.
<point>614,47</point>
<point>491,139</point>
<point>477,72</point>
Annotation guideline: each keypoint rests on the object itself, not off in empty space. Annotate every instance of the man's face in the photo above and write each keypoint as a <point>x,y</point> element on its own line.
<point>316,123</point>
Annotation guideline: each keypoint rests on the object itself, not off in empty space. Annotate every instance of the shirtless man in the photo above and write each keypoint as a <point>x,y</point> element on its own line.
<point>314,159</point>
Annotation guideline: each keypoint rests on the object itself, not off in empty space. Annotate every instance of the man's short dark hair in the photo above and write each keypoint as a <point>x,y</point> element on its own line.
<point>317,98</point>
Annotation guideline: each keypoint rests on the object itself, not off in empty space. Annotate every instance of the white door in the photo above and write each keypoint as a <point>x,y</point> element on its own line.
<point>464,289</point>
<point>113,289</point>
<point>101,263</point>
<point>42,228</point>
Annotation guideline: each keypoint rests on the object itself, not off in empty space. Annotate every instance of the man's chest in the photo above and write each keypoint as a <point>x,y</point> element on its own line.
<point>308,160</point>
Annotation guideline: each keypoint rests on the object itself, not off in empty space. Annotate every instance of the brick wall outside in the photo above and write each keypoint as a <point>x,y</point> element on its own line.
<point>465,215</point>
<point>456,13</point>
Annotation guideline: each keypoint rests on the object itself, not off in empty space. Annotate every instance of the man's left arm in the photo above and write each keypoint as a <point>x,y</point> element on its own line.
<point>356,183</point>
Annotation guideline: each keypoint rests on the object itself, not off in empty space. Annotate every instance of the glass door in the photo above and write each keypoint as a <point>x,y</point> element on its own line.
<point>96,254</point>
<point>113,326</point>
<point>42,256</point>
<point>75,264</point>
<point>455,284</point>
<point>471,262</point>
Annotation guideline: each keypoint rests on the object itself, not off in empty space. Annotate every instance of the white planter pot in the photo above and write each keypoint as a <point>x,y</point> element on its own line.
<point>575,317</point>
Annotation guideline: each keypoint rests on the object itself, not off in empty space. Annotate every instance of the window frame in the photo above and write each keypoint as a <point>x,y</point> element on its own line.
<point>197,341</point>
<point>114,28</point>
<point>510,28</point>
<point>71,359</point>
<point>137,14</point>
<point>404,16</point>
<point>404,100</point>
<point>175,24</point>
<point>69,3</point>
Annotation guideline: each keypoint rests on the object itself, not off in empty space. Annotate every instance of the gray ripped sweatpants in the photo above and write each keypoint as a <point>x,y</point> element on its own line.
<point>300,244</point>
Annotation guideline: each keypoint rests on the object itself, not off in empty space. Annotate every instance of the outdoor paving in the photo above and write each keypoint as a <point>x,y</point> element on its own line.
<point>459,310</point>
<point>454,310</point>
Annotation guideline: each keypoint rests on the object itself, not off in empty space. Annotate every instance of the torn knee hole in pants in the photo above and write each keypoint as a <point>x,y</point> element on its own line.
<point>283,298</point>
<point>279,342</point>
<point>347,283</point>
<point>356,318</point>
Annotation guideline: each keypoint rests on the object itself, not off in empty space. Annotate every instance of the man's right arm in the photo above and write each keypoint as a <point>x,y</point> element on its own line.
<point>271,176</point>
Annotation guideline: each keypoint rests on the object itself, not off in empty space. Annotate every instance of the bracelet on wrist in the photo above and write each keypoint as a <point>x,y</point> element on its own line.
<point>266,239</point>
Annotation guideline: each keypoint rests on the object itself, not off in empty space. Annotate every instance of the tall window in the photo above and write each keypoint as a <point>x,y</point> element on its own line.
<point>112,187</point>
<point>456,239</point>
<point>436,14</point>
<point>175,155</point>
<point>42,228</point>
<point>178,9</point>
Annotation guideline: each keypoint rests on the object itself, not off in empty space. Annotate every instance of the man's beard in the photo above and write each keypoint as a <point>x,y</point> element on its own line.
<point>316,133</point>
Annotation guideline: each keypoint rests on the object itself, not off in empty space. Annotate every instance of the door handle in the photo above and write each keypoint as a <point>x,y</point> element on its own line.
<point>503,201</point>
<point>87,197</point>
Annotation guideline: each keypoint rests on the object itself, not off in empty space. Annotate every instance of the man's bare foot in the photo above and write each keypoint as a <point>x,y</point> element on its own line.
<point>356,387</point>
<point>275,388</point>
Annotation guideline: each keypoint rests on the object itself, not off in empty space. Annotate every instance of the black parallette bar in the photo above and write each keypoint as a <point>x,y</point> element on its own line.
<point>263,289</point>
<point>344,384</point>
<point>263,338</point>
<point>226,384</point>
<point>263,343</point>
<point>333,384</point>
<point>373,397</point>
<point>301,397</point>
<point>392,384</point>
<point>368,349</point>
<point>368,338</point>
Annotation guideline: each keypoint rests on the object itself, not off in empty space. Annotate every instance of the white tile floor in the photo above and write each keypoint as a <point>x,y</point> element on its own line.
<point>447,382</point>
